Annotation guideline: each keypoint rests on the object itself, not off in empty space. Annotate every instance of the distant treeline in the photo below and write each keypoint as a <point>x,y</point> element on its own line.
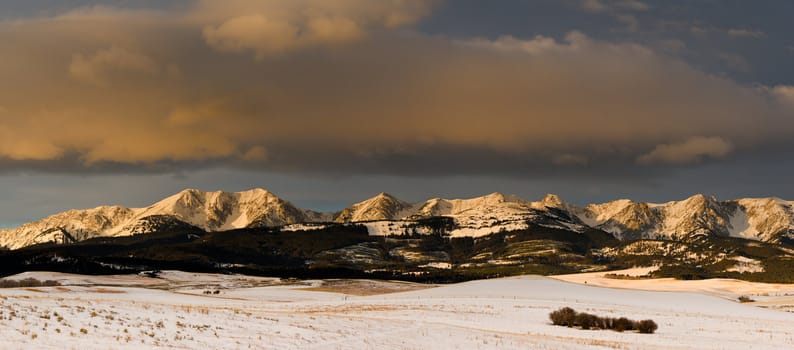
<point>27,282</point>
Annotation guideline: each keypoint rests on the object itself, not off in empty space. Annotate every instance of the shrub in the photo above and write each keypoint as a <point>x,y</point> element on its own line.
<point>646,326</point>
<point>623,324</point>
<point>605,322</point>
<point>586,321</point>
<point>563,317</point>
<point>569,317</point>
<point>745,299</point>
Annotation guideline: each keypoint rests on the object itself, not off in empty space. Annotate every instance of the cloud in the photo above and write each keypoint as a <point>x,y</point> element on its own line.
<point>255,32</point>
<point>348,88</point>
<point>734,61</point>
<point>699,31</point>
<point>255,154</point>
<point>96,68</point>
<point>593,6</point>
<point>634,5</point>
<point>671,45</point>
<point>277,26</point>
<point>28,149</point>
<point>621,10</point>
<point>569,159</point>
<point>631,21</point>
<point>746,33</point>
<point>690,151</point>
<point>784,94</point>
<point>597,6</point>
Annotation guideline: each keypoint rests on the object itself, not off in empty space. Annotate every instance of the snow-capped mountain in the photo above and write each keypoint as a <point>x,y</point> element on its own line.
<point>473,217</point>
<point>67,227</point>
<point>381,207</point>
<point>766,219</point>
<point>386,207</point>
<point>219,211</point>
<point>763,218</point>
<point>210,211</point>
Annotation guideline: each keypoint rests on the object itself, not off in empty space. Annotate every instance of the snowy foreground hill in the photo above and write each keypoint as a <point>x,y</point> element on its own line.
<point>175,311</point>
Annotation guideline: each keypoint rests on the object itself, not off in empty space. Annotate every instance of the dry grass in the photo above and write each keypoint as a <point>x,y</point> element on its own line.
<point>107,291</point>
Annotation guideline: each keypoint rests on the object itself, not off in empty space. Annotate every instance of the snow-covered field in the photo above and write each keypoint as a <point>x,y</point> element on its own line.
<point>730,289</point>
<point>134,312</point>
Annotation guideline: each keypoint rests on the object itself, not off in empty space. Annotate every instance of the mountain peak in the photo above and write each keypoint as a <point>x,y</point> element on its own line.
<point>255,194</point>
<point>382,206</point>
<point>495,197</point>
<point>700,198</point>
<point>384,195</point>
<point>256,190</point>
<point>552,200</point>
<point>491,198</point>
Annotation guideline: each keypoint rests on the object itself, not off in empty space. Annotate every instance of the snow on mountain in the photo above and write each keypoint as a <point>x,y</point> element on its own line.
<point>473,217</point>
<point>696,215</point>
<point>66,227</point>
<point>210,211</point>
<point>381,207</point>
<point>385,207</point>
<point>766,219</point>
<point>478,205</point>
<point>480,216</point>
<point>218,211</point>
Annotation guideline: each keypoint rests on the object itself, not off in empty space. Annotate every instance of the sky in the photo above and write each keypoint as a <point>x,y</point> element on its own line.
<point>328,102</point>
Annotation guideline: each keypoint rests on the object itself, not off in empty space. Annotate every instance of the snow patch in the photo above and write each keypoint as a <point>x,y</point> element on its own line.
<point>740,226</point>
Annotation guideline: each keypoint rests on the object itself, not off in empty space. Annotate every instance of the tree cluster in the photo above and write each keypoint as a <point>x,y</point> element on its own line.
<point>27,282</point>
<point>568,317</point>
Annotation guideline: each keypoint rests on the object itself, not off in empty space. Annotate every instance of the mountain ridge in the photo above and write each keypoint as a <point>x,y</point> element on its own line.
<point>766,219</point>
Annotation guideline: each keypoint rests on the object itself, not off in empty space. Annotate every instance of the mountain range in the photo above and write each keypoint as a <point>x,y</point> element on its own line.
<point>762,219</point>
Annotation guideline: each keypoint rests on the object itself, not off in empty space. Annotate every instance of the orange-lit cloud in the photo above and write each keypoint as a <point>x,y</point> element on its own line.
<point>95,68</point>
<point>278,26</point>
<point>309,84</point>
<point>689,151</point>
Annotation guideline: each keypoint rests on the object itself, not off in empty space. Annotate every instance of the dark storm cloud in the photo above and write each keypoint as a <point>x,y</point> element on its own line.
<point>348,87</point>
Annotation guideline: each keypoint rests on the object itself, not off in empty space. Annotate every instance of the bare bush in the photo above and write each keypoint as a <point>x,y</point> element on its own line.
<point>568,317</point>
<point>745,299</point>
<point>563,317</point>
<point>646,326</point>
<point>587,321</point>
<point>623,324</point>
